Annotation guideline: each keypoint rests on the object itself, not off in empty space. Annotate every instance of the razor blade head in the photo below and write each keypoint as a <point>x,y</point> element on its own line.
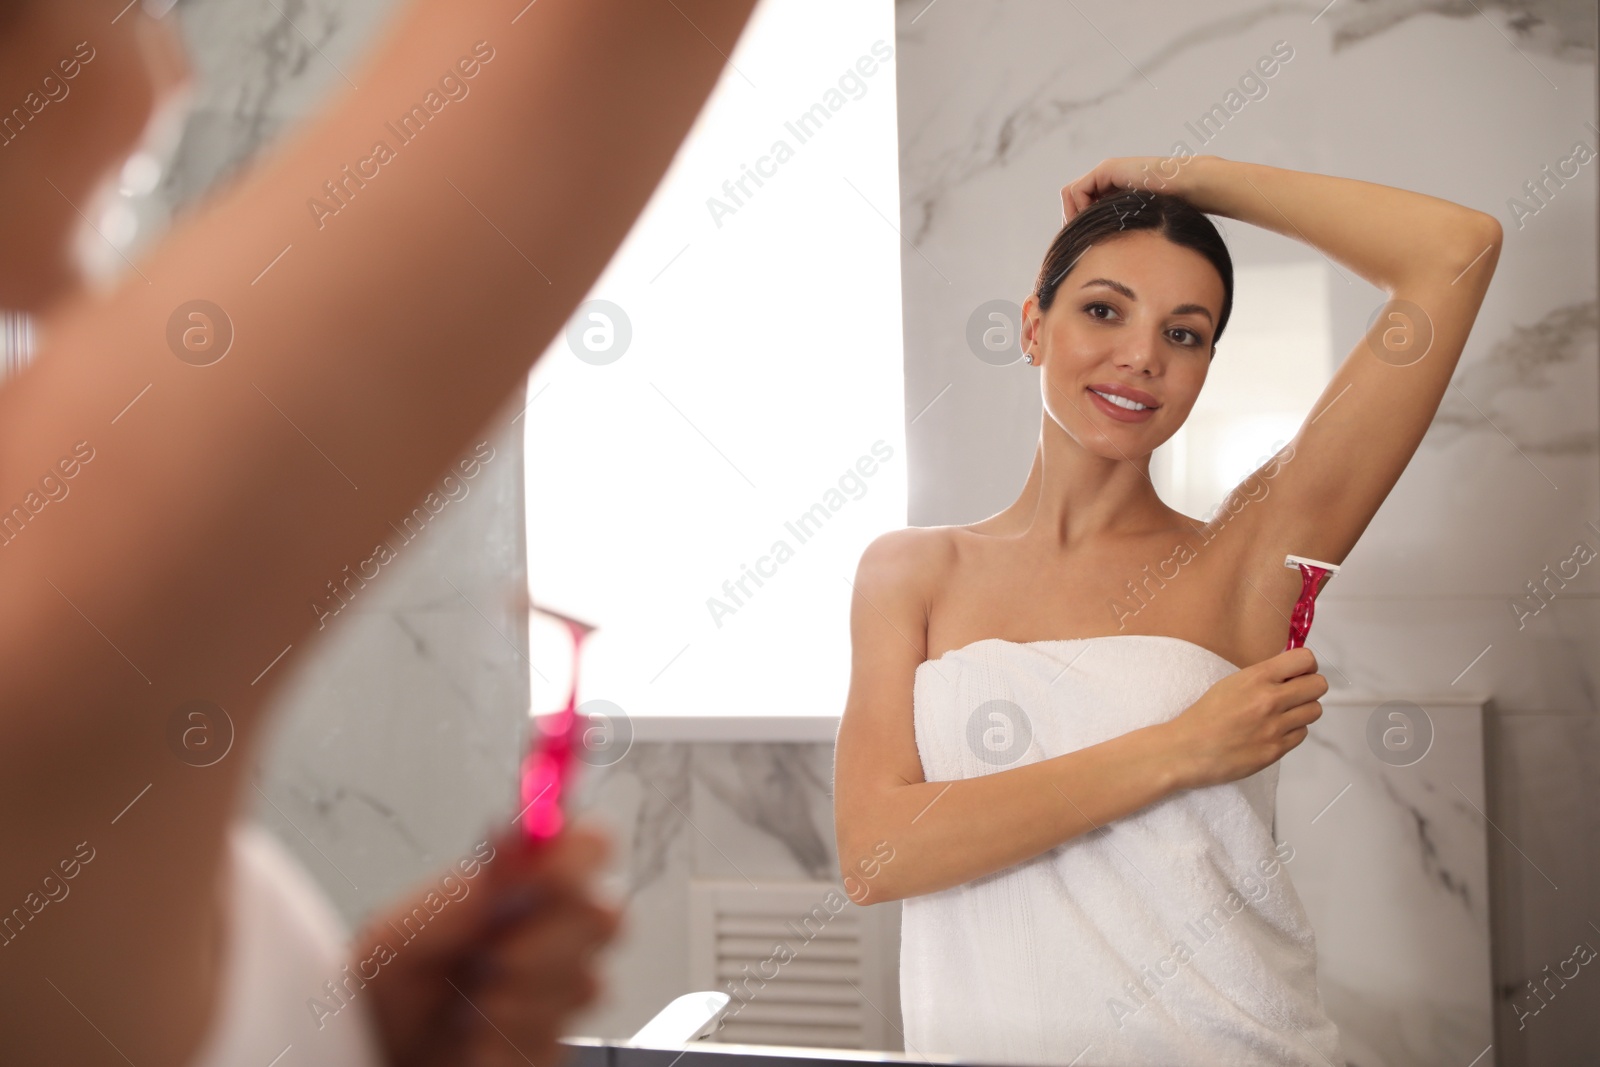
<point>578,624</point>
<point>524,600</point>
<point>1294,561</point>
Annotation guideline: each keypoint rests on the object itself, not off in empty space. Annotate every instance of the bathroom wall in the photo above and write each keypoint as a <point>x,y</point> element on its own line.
<point>1001,104</point>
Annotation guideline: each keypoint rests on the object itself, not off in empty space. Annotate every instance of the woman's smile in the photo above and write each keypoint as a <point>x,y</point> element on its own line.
<point>1112,406</point>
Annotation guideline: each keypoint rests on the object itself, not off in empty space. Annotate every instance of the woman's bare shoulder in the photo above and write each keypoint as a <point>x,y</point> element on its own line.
<point>911,552</point>
<point>908,564</point>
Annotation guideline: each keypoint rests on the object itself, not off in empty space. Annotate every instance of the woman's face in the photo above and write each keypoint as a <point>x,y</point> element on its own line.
<point>1135,310</point>
<point>64,138</point>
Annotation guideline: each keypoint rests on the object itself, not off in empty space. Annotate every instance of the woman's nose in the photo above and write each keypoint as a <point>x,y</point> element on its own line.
<point>1140,354</point>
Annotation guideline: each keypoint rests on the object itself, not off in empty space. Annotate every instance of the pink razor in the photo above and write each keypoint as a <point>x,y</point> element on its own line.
<point>547,767</point>
<point>1312,573</point>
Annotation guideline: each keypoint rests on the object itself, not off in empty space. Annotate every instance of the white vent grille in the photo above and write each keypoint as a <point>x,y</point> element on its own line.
<point>802,964</point>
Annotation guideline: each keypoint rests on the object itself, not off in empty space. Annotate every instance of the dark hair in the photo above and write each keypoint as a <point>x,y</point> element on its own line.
<point>1171,216</point>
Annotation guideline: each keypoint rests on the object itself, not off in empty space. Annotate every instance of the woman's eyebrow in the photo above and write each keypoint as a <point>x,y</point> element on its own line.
<point>1181,309</point>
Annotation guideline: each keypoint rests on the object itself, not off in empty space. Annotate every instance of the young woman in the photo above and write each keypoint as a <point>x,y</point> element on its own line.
<point>208,501</point>
<point>1011,692</point>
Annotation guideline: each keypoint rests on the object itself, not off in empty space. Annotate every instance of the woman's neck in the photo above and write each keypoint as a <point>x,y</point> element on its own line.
<point>1057,492</point>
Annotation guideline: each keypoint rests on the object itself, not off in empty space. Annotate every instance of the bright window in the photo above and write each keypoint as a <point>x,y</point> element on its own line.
<point>1271,366</point>
<point>704,496</point>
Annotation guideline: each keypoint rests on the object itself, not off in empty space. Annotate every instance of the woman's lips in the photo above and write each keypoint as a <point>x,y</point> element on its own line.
<point>1119,413</point>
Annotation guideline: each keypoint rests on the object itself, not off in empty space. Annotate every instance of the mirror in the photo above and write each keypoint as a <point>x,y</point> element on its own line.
<point>783,355</point>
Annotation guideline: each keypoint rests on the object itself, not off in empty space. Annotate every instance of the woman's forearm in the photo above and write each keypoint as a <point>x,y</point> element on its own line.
<point>945,833</point>
<point>1388,236</point>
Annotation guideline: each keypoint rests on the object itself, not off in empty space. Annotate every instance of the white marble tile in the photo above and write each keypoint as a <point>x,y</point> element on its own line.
<point>1547,878</point>
<point>1465,645</point>
<point>394,749</point>
<point>652,864</point>
<point>773,795</point>
<point>660,783</point>
<point>261,66</point>
<point>1391,864</point>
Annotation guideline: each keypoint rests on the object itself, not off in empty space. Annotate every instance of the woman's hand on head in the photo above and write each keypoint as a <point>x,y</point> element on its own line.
<point>497,974</point>
<point>1156,174</point>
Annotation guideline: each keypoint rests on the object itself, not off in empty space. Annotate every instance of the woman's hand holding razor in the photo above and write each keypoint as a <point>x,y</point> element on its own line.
<point>496,975</point>
<point>1248,720</point>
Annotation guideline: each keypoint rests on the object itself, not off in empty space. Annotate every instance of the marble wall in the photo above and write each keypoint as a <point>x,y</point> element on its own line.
<point>1003,103</point>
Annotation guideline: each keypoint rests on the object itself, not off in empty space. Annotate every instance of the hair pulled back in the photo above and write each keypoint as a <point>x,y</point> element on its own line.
<point>1171,216</point>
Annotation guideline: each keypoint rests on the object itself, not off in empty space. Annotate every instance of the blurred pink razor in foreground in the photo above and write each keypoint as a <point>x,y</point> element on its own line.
<point>1312,573</point>
<point>546,768</point>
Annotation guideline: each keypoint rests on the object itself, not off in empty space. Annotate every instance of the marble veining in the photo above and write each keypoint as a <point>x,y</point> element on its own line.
<point>773,790</point>
<point>664,807</point>
<point>1420,814</point>
<point>1562,29</point>
<point>769,786</point>
<point>1551,354</point>
<point>326,798</point>
<point>993,141</point>
<point>261,67</point>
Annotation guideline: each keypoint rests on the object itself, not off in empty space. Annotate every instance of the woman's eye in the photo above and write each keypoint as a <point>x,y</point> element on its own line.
<point>1197,339</point>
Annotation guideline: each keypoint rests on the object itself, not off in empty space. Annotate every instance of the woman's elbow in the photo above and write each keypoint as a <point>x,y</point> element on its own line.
<point>867,872</point>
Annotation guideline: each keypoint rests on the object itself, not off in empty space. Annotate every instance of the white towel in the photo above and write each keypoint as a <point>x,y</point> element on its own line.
<point>285,941</point>
<point>1171,936</point>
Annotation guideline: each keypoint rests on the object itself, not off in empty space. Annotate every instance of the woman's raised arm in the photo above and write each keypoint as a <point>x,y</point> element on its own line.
<point>1433,259</point>
<point>388,275</point>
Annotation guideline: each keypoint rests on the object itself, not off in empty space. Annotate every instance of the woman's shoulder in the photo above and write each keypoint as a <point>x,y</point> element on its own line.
<point>911,561</point>
<point>923,549</point>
